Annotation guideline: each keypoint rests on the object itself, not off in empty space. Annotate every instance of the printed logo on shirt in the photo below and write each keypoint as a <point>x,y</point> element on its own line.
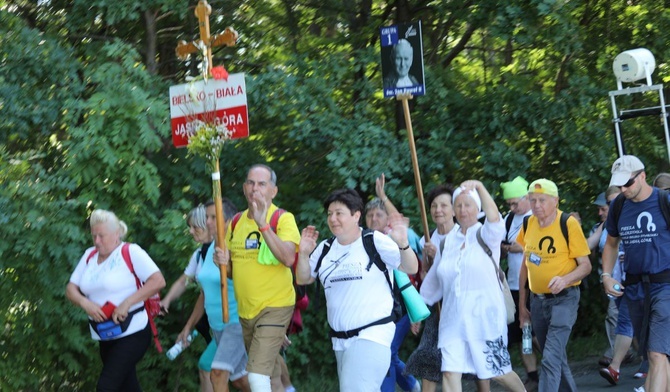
<point>644,230</point>
<point>551,248</point>
<point>339,270</point>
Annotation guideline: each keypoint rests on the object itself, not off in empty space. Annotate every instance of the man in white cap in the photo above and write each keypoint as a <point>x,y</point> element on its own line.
<point>639,221</point>
<point>555,262</point>
<point>515,193</point>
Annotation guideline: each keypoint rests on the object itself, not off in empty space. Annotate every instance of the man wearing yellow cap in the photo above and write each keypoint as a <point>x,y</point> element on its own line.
<point>515,193</point>
<point>554,265</point>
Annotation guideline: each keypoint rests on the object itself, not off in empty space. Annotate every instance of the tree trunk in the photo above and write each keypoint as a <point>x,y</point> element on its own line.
<point>150,38</point>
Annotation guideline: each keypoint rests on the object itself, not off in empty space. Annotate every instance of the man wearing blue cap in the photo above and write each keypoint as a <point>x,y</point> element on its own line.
<point>515,193</point>
<point>555,262</point>
<point>640,223</point>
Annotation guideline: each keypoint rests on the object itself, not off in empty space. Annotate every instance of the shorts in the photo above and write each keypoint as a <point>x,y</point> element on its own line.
<point>658,338</point>
<point>230,354</point>
<point>263,338</point>
<point>624,326</point>
<point>207,356</point>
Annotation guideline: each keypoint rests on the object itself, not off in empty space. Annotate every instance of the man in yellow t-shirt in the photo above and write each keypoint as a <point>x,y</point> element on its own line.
<point>261,265</point>
<point>554,269</point>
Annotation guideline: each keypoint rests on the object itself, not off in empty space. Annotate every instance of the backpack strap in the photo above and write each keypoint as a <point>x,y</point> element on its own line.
<point>370,248</point>
<point>525,223</point>
<point>487,250</point>
<point>665,205</point>
<point>233,223</point>
<point>616,206</point>
<point>125,252</point>
<point>324,252</point>
<point>563,221</point>
<point>274,219</point>
<point>90,255</point>
<point>564,227</point>
<point>508,224</point>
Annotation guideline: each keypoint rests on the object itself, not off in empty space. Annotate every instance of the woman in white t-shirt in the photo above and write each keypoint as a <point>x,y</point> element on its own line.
<point>358,297</point>
<point>103,285</point>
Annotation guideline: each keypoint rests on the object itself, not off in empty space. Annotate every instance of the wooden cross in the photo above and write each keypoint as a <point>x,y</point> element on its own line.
<point>228,37</point>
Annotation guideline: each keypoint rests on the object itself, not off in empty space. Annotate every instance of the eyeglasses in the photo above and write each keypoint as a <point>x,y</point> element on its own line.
<point>513,204</point>
<point>630,182</point>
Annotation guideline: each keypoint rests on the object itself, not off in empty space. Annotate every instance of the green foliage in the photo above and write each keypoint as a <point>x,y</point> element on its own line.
<point>512,89</point>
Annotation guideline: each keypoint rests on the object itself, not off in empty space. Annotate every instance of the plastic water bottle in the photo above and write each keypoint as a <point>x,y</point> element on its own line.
<point>617,288</point>
<point>173,352</point>
<point>527,340</point>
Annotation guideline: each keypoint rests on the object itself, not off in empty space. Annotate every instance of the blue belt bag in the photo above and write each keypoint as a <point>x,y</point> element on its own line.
<point>108,329</point>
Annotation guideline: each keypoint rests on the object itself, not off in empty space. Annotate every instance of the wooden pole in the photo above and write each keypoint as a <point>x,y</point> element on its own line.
<point>415,164</point>
<point>220,238</point>
<point>202,12</point>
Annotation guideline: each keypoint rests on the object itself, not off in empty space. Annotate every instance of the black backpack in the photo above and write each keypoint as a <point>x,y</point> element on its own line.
<point>398,305</point>
<point>508,224</point>
<point>617,206</point>
<point>563,223</point>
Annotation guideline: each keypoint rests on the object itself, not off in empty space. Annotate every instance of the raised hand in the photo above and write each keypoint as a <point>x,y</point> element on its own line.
<point>399,225</point>
<point>471,184</point>
<point>259,210</point>
<point>379,187</point>
<point>308,240</point>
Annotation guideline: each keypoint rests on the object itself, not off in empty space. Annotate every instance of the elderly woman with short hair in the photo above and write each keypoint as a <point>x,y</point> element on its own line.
<point>103,285</point>
<point>473,319</point>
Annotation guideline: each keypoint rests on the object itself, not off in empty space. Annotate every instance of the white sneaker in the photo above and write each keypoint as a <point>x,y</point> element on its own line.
<point>417,387</point>
<point>640,389</point>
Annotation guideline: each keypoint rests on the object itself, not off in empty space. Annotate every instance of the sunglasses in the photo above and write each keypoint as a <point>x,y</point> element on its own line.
<point>630,182</point>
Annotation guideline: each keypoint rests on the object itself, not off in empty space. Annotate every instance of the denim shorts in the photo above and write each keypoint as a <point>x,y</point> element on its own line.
<point>624,326</point>
<point>659,319</point>
<point>230,353</point>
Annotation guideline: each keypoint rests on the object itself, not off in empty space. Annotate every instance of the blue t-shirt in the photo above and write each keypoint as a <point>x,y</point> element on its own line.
<point>644,234</point>
<point>209,277</point>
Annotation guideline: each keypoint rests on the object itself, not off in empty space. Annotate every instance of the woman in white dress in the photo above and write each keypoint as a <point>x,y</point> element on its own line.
<point>473,320</point>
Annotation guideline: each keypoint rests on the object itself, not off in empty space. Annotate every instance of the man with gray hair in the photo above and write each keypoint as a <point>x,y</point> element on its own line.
<point>262,244</point>
<point>637,218</point>
<point>555,261</point>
